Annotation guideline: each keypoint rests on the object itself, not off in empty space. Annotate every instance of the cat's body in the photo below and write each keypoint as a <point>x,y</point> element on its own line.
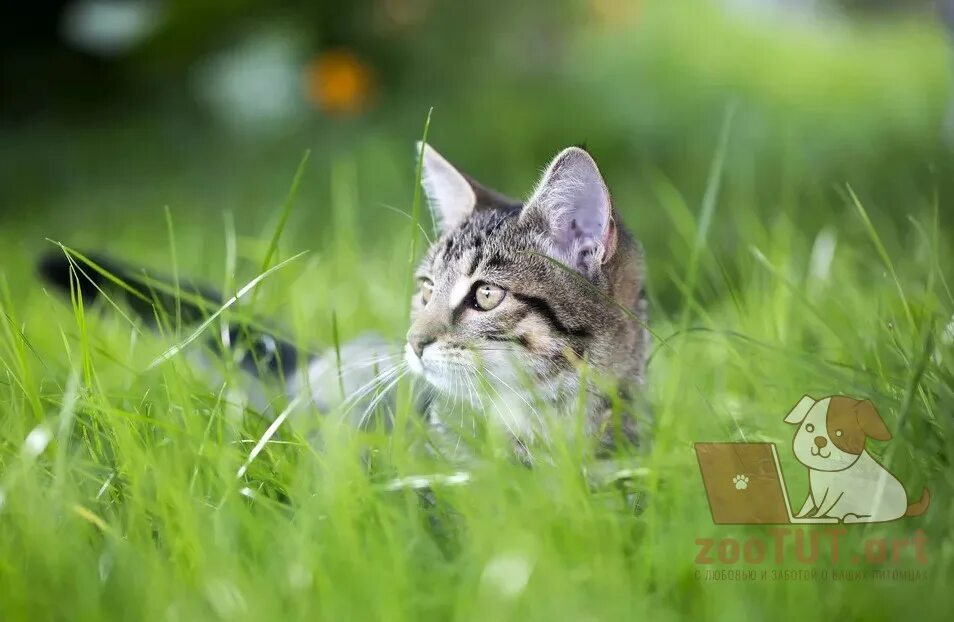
<point>527,314</point>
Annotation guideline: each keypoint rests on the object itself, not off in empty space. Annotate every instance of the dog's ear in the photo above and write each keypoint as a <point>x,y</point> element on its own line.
<point>800,411</point>
<point>871,422</point>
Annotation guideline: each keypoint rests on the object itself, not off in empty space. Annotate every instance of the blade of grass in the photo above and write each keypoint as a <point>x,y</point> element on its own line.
<point>286,211</point>
<point>171,352</point>
<point>405,395</point>
<point>270,432</point>
<point>707,212</point>
<point>794,288</point>
<point>882,254</point>
<point>175,269</point>
<point>337,343</point>
<point>416,212</point>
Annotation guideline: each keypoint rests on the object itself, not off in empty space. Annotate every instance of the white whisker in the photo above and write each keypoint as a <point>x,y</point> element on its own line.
<point>533,410</point>
<point>380,396</point>
<point>503,419</point>
<point>479,403</point>
<point>369,387</point>
<point>369,362</point>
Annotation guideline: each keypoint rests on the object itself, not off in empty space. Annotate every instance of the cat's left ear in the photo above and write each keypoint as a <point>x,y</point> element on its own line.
<point>449,194</point>
<point>573,204</point>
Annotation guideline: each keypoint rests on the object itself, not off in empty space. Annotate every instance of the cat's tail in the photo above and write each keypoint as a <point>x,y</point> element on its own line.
<point>155,299</point>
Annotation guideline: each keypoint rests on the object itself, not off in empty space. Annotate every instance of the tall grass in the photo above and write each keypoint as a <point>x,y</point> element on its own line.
<point>119,494</point>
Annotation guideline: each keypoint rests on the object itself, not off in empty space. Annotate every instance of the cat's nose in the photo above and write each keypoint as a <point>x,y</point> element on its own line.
<point>419,341</point>
<point>820,441</point>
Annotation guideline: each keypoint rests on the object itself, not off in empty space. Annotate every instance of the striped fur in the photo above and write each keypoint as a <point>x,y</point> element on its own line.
<point>553,316</point>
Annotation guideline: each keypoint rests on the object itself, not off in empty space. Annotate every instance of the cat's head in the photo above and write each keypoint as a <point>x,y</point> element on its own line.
<point>520,292</point>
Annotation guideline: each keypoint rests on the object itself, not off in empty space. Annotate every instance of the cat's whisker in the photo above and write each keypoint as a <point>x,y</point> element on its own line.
<point>376,391</point>
<point>456,391</point>
<point>535,412</point>
<point>525,361</point>
<point>539,419</point>
<point>468,410</point>
<point>460,425</point>
<point>368,388</point>
<point>480,403</point>
<point>380,396</point>
<point>369,362</point>
<point>388,362</point>
<point>457,394</point>
<point>503,419</point>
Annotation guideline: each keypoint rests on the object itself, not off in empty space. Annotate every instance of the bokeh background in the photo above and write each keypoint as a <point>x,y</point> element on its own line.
<point>114,109</point>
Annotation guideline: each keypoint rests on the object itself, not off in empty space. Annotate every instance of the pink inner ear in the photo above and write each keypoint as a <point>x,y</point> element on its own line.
<point>574,200</point>
<point>582,237</point>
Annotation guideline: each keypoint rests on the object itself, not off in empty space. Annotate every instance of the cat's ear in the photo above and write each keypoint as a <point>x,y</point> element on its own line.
<point>449,194</point>
<point>573,204</point>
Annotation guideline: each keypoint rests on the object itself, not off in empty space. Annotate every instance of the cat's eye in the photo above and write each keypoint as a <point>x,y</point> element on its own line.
<point>427,288</point>
<point>809,428</point>
<point>838,432</point>
<point>487,296</point>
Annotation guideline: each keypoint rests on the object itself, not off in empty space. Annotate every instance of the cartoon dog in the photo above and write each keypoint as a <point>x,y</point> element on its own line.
<point>845,482</point>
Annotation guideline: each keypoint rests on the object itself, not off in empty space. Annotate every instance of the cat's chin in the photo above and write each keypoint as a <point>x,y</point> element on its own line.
<point>441,383</point>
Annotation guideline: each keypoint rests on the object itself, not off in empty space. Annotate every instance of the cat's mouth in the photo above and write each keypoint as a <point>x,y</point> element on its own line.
<point>438,374</point>
<point>457,377</point>
<point>414,362</point>
<point>446,375</point>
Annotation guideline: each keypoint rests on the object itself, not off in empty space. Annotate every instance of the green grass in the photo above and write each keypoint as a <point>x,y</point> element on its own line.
<point>133,510</point>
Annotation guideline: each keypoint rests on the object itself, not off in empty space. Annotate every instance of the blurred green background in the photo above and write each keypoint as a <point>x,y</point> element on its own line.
<point>112,110</point>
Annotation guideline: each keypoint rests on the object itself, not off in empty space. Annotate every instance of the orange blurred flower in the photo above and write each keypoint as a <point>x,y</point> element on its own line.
<point>615,12</point>
<point>338,82</point>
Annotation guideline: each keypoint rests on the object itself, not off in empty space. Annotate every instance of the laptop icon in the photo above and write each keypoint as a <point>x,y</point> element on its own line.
<point>745,486</point>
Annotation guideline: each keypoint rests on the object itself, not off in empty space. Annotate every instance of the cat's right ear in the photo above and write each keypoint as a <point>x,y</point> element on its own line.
<point>449,194</point>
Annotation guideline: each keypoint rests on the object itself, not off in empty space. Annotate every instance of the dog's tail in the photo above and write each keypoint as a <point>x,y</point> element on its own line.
<point>157,298</point>
<point>919,507</point>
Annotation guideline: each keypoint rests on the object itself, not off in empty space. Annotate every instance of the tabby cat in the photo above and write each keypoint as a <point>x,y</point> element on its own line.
<point>525,313</point>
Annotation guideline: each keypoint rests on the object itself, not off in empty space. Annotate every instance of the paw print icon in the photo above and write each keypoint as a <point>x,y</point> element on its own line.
<point>741,482</point>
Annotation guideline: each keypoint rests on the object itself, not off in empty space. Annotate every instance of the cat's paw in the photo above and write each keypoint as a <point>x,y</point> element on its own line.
<point>741,482</point>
